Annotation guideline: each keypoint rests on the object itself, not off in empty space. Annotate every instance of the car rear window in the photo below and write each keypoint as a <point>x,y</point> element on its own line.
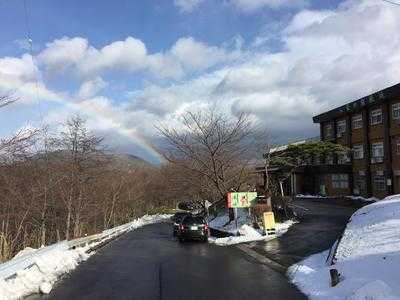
<point>193,220</point>
<point>179,216</point>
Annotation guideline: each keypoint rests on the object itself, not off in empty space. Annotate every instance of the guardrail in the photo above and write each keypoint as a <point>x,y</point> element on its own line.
<point>330,260</point>
<point>9,269</point>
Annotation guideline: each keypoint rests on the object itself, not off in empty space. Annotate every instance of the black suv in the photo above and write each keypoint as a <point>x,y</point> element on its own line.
<point>177,219</point>
<point>193,227</point>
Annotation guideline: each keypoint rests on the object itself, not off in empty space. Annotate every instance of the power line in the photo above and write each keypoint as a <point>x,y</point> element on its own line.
<point>30,48</point>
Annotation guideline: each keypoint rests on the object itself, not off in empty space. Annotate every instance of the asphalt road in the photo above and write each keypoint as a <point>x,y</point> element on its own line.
<point>149,264</point>
<point>321,224</point>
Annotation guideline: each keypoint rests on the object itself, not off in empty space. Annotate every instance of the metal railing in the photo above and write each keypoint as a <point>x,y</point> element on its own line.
<point>9,269</point>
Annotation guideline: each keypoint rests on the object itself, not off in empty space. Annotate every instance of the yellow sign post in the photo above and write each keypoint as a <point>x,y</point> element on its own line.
<point>269,222</point>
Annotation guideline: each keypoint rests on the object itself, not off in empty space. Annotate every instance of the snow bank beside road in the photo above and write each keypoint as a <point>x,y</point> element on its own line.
<point>46,266</point>
<point>249,234</point>
<point>368,257</point>
<point>44,273</point>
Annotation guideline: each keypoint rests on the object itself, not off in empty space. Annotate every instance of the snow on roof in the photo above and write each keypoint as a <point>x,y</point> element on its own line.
<point>284,147</point>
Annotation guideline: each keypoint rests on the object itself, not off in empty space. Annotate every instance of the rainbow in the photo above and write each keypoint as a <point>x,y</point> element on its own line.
<point>111,118</point>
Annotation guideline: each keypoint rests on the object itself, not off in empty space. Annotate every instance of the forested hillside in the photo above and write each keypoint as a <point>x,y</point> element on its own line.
<point>66,185</point>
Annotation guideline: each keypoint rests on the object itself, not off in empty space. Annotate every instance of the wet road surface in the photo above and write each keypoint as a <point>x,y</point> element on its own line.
<point>320,225</point>
<point>149,264</point>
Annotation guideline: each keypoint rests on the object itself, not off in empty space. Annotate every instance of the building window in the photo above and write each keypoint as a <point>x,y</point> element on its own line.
<point>328,132</point>
<point>340,181</point>
<point>398,146</point>
<point>379,183</point>
<point>359,185</point>
<point>357,121</point>
<point>343,159</point>
<point>340,128</point>
<point>376,116</point>
<point>396,111</point>
<point>377,152</point>
<point>358,151</point>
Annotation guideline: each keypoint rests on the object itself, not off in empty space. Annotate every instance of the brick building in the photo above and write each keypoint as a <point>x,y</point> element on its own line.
<point>370,126</point>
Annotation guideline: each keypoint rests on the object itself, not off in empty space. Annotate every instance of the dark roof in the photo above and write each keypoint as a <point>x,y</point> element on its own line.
<point>356,106</point>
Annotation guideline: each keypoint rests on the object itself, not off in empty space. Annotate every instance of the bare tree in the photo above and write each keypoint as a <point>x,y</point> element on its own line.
<point>6,100</point>
<point>63,185</point>
<point>81,155</point>
<point>214,152</point>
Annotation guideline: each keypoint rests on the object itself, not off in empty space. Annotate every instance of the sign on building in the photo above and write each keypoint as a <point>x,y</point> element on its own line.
<point>241,200</point>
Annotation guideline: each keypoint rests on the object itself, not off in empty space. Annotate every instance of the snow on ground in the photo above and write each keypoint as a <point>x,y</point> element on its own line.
<point>310,196</point>
<point>362,199</point>
<point>356,198</point>
<point>368,258</point>
<point>42,276</point>
<point>220,221</point>
<point>49,267</point>
<point>148,219</point>
<point>249,234</point>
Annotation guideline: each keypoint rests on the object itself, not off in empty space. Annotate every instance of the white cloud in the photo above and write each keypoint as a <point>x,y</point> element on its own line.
<point>253,5</point>
<point>21,78</point>
<point>91,87</point>
<point>328,58</point>
<point>188,55</point>
<point>66,53</point>
<point>63,53</point>
<point>187,5</point>
<point>185,56</point>
<point>195,55</point>
<point>129,55</point>
<point>307,18</point>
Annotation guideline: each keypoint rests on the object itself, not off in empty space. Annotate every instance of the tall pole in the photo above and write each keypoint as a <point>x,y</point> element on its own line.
<point>236,220</point>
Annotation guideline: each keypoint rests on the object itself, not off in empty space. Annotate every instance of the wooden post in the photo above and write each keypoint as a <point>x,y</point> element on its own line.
<point>236,221</point>
<point>335,277</point>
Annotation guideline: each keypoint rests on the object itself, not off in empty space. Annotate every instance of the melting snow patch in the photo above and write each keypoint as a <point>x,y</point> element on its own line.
<point>249,234</point>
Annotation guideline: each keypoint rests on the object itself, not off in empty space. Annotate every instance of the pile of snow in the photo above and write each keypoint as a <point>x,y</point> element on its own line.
<point>222,222</point>
<point>148,219</point>
<point>362,199</point>
<point>249,234</point>
<point>249,231</point>
<point>356,198</point>
<point>49,266</point>
<point>42,276</point>
<point>310,196</point>
<point>368,258</point>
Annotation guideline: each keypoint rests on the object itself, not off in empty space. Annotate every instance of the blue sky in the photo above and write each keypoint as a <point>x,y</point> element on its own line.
<point>129,65</point>
<point>157,23</point>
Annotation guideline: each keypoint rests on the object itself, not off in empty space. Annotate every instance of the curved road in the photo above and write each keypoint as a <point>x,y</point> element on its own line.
<point>321,224</point>
<point>149,264</point>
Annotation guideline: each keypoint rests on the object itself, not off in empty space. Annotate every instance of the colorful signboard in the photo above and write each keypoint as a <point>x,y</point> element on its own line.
<point>241,200</point>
